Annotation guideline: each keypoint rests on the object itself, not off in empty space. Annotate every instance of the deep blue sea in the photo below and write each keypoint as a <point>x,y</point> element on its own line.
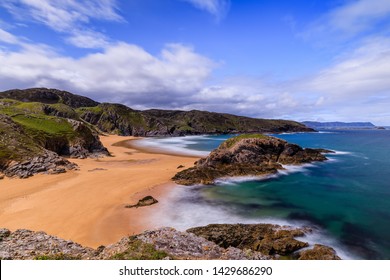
<point>346,199</point>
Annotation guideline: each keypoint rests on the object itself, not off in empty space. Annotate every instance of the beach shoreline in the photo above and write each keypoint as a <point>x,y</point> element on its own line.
<point>87,206</point>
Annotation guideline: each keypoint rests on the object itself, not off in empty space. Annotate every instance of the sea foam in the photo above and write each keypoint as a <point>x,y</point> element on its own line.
<point>174,145</point>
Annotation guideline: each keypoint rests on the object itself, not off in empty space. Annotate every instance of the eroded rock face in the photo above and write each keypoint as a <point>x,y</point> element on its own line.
<point>86,145</point>
<point>219,242</point>
<point>25,244</point>
<point>247,155</point>
<point>268,239</point>
<point>48,163</point>
<point>184,246</point>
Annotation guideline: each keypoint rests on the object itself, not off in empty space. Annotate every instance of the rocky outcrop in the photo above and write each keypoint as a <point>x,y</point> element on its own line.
<point>179,245</point>
<point>245,155</point>
<point>146,201</point>
<point>25,244</point>
<point>21,156</point>
<point>47,163</point>
<point>270,240</point>
<point>213,242</point>
<point>85,144</point>
<point>164,243</point>
<point>319,252</point>
<point>32,142</point>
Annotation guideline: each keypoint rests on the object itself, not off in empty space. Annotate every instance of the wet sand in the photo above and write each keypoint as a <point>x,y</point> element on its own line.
<point>88,206</point>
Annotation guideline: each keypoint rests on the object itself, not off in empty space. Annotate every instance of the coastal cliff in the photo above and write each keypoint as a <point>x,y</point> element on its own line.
<point>218,242</point>
<point>38,126</point>
<point>122,120</point>
<point>247,155</point>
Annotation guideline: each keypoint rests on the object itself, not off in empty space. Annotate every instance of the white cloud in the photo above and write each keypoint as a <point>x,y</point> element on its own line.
<point>355,87</point>
<point>88,39</point>
<point>121,72</point>
<point>8,38</point>
<point>218,8</point>
<point>359,15</point>
<point>350,19</point>
<point>68,17</point>
<point>360,74</point>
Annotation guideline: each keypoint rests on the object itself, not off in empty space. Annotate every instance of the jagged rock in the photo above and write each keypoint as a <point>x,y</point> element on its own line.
<point>185,245</point>
<point>164,243</point>
<point>146,201</point>
<point>86,145</point>
<point>245,155</point>
<point>319,252</point>
<point>270,240</point>
<point>49,163</point>
<point>25,244</point>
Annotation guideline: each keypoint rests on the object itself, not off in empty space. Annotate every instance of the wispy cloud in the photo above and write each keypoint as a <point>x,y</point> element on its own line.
<point>8,38</point>
<point>350,19</point>
<point>69,17</point>
<point>359,74</point>
<point>218,8</point>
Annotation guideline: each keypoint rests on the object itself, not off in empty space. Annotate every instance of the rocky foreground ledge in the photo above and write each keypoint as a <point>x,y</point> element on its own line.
<point>247,155</point>
<point>219,242</point>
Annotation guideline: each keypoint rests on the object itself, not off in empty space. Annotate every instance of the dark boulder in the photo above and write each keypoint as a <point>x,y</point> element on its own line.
<point>146,201</point>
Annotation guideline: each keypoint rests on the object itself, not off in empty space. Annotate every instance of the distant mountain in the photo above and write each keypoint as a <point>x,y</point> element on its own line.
<point>339,125</point>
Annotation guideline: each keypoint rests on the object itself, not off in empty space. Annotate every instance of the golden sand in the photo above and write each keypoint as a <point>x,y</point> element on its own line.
<point>87,206</point>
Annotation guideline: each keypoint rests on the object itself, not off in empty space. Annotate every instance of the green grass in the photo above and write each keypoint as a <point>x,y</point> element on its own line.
<point>47,124</point>
<point>139,250</point>
<point>95,110</point>
<point>232,141</point>
<point>59,256</point>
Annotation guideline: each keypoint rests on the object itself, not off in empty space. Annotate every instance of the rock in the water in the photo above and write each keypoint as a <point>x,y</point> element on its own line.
<point>146,201</point>
<point>319,252</point>
<point>268,239</point>
<point>244,155</point>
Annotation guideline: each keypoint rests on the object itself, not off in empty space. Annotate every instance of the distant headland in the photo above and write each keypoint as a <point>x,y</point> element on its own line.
<point>341,125</point>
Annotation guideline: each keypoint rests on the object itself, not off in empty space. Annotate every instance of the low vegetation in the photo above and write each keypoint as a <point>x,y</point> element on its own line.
<point>138,250</point>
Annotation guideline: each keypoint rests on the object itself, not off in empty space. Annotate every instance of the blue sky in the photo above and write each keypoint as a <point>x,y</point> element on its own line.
<point>303,59</point>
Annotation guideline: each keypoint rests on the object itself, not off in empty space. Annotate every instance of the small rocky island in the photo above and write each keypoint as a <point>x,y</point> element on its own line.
<point>248,155</point>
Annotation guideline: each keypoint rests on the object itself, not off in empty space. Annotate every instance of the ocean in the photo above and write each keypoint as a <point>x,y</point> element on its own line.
<point>345,199</point>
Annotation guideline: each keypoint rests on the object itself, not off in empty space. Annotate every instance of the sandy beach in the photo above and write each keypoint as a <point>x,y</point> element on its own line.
<point>88,206</point>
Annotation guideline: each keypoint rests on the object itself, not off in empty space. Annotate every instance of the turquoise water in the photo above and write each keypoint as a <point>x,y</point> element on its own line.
<point>346,198</point>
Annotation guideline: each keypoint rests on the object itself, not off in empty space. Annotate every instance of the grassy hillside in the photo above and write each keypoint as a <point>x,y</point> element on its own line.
<point>49,96</point>
<point>122,120</point>
<point>114,118</point>
<point>55,127</point>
